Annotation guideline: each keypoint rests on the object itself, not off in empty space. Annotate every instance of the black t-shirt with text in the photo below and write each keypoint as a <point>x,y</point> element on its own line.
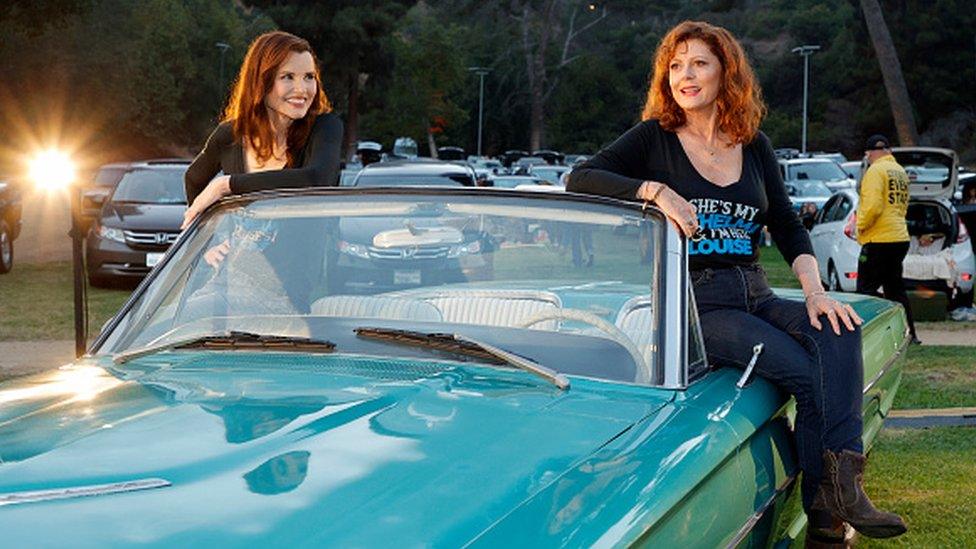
<point>731,218</point>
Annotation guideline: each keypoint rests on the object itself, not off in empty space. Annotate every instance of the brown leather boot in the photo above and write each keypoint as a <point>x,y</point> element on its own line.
<point>841,493</point>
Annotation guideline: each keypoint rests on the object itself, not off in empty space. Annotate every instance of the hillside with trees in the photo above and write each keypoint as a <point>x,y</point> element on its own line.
<point>116,79</point>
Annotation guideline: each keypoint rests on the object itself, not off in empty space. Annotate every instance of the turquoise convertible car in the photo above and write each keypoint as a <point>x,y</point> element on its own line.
<point>553,391</point>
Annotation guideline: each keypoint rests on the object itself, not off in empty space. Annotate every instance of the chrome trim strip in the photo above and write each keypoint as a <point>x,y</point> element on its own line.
<point>758,515</point>
<point>673,335</point>
<point>884,369</point>
<point>37,496</point>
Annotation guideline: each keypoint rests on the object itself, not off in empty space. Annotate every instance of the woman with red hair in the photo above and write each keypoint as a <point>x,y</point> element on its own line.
<point>699,156</point>
<point>278,129</point>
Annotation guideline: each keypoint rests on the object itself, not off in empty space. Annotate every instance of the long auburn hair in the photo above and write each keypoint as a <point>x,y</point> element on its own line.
<point>246,110</point>
<point>739,102</point>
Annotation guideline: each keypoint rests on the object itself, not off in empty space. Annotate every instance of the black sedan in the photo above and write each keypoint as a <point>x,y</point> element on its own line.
<point>137,224</point>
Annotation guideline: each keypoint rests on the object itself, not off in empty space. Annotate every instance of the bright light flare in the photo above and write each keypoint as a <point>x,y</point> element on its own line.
<point>52,170</point>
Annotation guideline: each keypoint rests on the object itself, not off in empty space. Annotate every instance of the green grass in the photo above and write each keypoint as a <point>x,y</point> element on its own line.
<point>938,377</point>
<point>36,303</point>
<point>779,274</point>
<point>929,477</point>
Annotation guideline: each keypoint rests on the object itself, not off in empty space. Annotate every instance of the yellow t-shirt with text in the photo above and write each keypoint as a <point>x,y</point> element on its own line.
<point>884,201</point>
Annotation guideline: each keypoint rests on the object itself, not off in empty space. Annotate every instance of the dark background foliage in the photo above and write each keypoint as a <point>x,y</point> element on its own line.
<point>117,79</point>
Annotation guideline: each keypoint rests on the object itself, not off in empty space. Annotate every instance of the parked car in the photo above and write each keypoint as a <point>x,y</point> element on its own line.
<point>11,208</point>
<point>486,167</point>
<point>552,174</point>
<point>853,169</point>
<point>551,157</point>
<point>137,224</point>
<point>509,157</point>
<point>248,404</point>
<point>421,172</point>
<point>835,156</point>
<point>826,171</point>
<point>834,235</point>
<point>807,191</point>
<point>450,153</point>
<point>513,181</point>
<point>108,176</point>
<point>524,165</point>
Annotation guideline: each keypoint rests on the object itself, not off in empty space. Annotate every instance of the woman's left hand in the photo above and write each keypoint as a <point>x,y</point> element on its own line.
<point>837,312</point>
<point>214,191</point>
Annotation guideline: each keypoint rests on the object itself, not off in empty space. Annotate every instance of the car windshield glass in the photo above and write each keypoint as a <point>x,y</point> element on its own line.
<point>397,180</point>
<point>553,280</point>
<point>803,187</point>
<point>820,171</point>
<point>164,186</point>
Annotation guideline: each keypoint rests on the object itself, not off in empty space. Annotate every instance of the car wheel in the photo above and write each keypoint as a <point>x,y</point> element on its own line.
<point>6,248</point>
<point>96,281</point>
<point>833,281</point>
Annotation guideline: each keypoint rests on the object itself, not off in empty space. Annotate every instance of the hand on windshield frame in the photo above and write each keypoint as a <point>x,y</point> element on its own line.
<point>214,191</point>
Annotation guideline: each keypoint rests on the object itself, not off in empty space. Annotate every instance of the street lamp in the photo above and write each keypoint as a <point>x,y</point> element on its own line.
<point>54,171</point>
<point>223,47</point>
<point>806,52</point>
<point>481,72</point>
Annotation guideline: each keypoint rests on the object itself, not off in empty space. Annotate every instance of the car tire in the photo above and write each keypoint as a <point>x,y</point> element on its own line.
<point>6,248</point>
<point>96,281</point>
<point>833,280</point>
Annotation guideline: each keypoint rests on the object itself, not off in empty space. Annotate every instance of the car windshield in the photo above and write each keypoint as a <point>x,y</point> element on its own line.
<point>820,171</point>
<point>807,188</point>
<point>398,180</point>
<point>513,271</point>
<point>151,186</point>
<point>108,176</point>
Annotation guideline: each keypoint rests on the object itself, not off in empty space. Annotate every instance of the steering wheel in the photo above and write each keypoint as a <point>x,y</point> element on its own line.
<point>615,333</point>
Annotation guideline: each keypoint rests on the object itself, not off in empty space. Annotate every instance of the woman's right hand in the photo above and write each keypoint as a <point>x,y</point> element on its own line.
<point>215,255</point>
<point>680,211</point>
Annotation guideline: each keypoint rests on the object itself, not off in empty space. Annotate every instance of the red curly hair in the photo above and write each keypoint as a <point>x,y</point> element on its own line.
<point>246,110</point>
<point>739,102</point>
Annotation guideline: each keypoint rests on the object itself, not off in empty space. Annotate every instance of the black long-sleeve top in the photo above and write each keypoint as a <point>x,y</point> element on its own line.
<point>316,165</point>
<point>730,218</point>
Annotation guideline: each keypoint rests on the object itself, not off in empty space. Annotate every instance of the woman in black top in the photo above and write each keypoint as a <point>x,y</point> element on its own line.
<point>698,155</point>
<point>278,129</point>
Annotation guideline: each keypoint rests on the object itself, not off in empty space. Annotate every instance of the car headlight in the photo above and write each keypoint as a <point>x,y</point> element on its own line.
<point>357,250</point>
<point>465,249</point>
<point>111,233</point>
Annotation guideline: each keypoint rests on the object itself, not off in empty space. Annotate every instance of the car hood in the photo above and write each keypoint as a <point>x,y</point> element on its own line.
<point>147,217</point>
<point>293,449</point>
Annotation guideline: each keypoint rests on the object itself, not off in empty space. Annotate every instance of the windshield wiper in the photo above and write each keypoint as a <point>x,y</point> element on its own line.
<point>464,345</point>
<point>233,340</point>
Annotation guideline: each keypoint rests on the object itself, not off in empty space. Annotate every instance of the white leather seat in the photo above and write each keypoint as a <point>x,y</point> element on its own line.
<point>636,319</point>
<point>392,308</point>
<point>492,307</point>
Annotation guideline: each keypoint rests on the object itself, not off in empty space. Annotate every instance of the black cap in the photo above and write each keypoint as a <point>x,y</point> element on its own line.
<point>877,142</point>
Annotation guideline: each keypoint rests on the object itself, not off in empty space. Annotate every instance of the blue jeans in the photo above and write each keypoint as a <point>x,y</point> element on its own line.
<point>822,370</point>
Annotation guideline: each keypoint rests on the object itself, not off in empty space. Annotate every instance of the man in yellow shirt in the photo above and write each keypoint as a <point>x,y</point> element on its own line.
<point>881,228</point>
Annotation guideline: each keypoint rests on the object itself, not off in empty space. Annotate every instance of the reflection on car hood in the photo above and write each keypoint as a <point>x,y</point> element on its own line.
<point>294,449</point>
<point>147,217</point>
<point>362,230</point>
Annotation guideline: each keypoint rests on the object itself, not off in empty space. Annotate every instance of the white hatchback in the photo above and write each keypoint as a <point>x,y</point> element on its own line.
<point>934,175</point>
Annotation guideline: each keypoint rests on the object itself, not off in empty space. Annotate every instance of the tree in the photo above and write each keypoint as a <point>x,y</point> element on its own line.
<point>884,48</point>
<point>541,27</point>
<point>428,73</point>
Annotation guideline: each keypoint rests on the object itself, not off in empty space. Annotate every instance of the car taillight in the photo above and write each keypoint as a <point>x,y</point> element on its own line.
<point>963,234</point>
<point>966,277</point>
<point>850,229</point>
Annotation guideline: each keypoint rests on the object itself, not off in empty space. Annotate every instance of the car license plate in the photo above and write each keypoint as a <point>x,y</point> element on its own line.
<point>406,277</point>
<point>152,259</point>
